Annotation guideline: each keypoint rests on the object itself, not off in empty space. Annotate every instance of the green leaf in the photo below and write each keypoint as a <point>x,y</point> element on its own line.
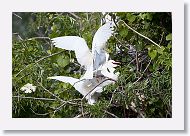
<point>124,32</point>
<point>161,50</point>
<point>169,46</point>
<point>62,62</point>
<point>149,16</point>
<point>169,37</point>
<point>49,52</point>
<point>152,54</point>
<point>131,18</point>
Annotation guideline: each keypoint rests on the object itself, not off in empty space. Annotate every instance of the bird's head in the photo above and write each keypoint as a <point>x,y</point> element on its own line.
<point>113,63</point>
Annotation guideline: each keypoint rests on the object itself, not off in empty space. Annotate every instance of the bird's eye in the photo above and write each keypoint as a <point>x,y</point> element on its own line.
<point>108,70</point>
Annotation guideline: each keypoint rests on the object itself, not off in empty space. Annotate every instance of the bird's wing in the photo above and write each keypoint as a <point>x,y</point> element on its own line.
<point>77,44</point>
<point>76,83</point>
<point>65,79</point>
<point>98,44</point>
<point>102,35</point>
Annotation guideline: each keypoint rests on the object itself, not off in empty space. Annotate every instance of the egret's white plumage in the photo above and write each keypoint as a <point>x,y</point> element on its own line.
<point>95,62</point>
<point>108,69</point>
<point>91,60</point>
<point>99,43</point>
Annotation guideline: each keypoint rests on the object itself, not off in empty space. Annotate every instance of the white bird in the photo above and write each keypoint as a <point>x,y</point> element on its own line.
<point>90,60</point>
<point>90,87</point>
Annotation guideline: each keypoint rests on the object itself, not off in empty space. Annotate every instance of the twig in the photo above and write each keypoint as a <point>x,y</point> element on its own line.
<point>48,56</point>
<point>37,62</point>
<point>59,108</point>
<point>140,34</point>
<point>81,115</point>
<point>137,61</point>
<point>50,92</point>
<point>110,114</point>
<point>23,97</point>
<point>137,111</point>
<point>33,38</point>
<point>82,110</point>
<point>161,38</point>
<point>142,72</point>
<point>39,114</point>
<point>110,100</point>
<point>56,109</point>
<point>17,15</point>
<point>97,86</point>
<point>74,15</point>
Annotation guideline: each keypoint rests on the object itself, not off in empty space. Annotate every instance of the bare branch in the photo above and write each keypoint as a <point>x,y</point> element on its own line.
<point>137,61</point>
<point>142,73</point>
<point>23,97</point>
<point>140,34</point>
<point>81,115</point>
<point>111,114</point>
<point>74,15</point>
<point>17,16</point>
<point>34,38</point>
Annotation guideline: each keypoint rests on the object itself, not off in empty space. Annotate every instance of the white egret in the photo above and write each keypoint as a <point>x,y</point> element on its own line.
<point>98,67</point>
<point>90,60</point>
<point>90,87</point>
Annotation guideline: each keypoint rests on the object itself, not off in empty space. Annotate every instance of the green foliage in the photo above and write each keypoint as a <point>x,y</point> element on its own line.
<point>144,87</point>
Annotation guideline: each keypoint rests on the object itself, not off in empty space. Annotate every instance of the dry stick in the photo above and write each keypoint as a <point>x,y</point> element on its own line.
<point>110,114</point>
<point>82,110</point>
<point>37,62</point>
<point>34,38</point>
<point>137,61</point>
<point>39,114</point>
<point>23,97</point>
<point>161,38</point>
<point>74,15</point>
<point>17,16</point>
<point>140,113</point>
<point>80,115</point>
<point>57,109</point>
<point>140,34</point>
<point>142,72</point>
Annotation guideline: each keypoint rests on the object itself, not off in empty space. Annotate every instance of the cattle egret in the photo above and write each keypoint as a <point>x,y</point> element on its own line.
<point>90,60</point>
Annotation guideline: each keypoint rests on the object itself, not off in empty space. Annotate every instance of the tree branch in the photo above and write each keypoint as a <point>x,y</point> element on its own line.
<point>23,97</point>
<point>41,59</point>
<point>140,34</point>
<point>142,73</point>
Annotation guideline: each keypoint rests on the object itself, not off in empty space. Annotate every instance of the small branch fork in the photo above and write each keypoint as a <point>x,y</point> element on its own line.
<point>142,73</point>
